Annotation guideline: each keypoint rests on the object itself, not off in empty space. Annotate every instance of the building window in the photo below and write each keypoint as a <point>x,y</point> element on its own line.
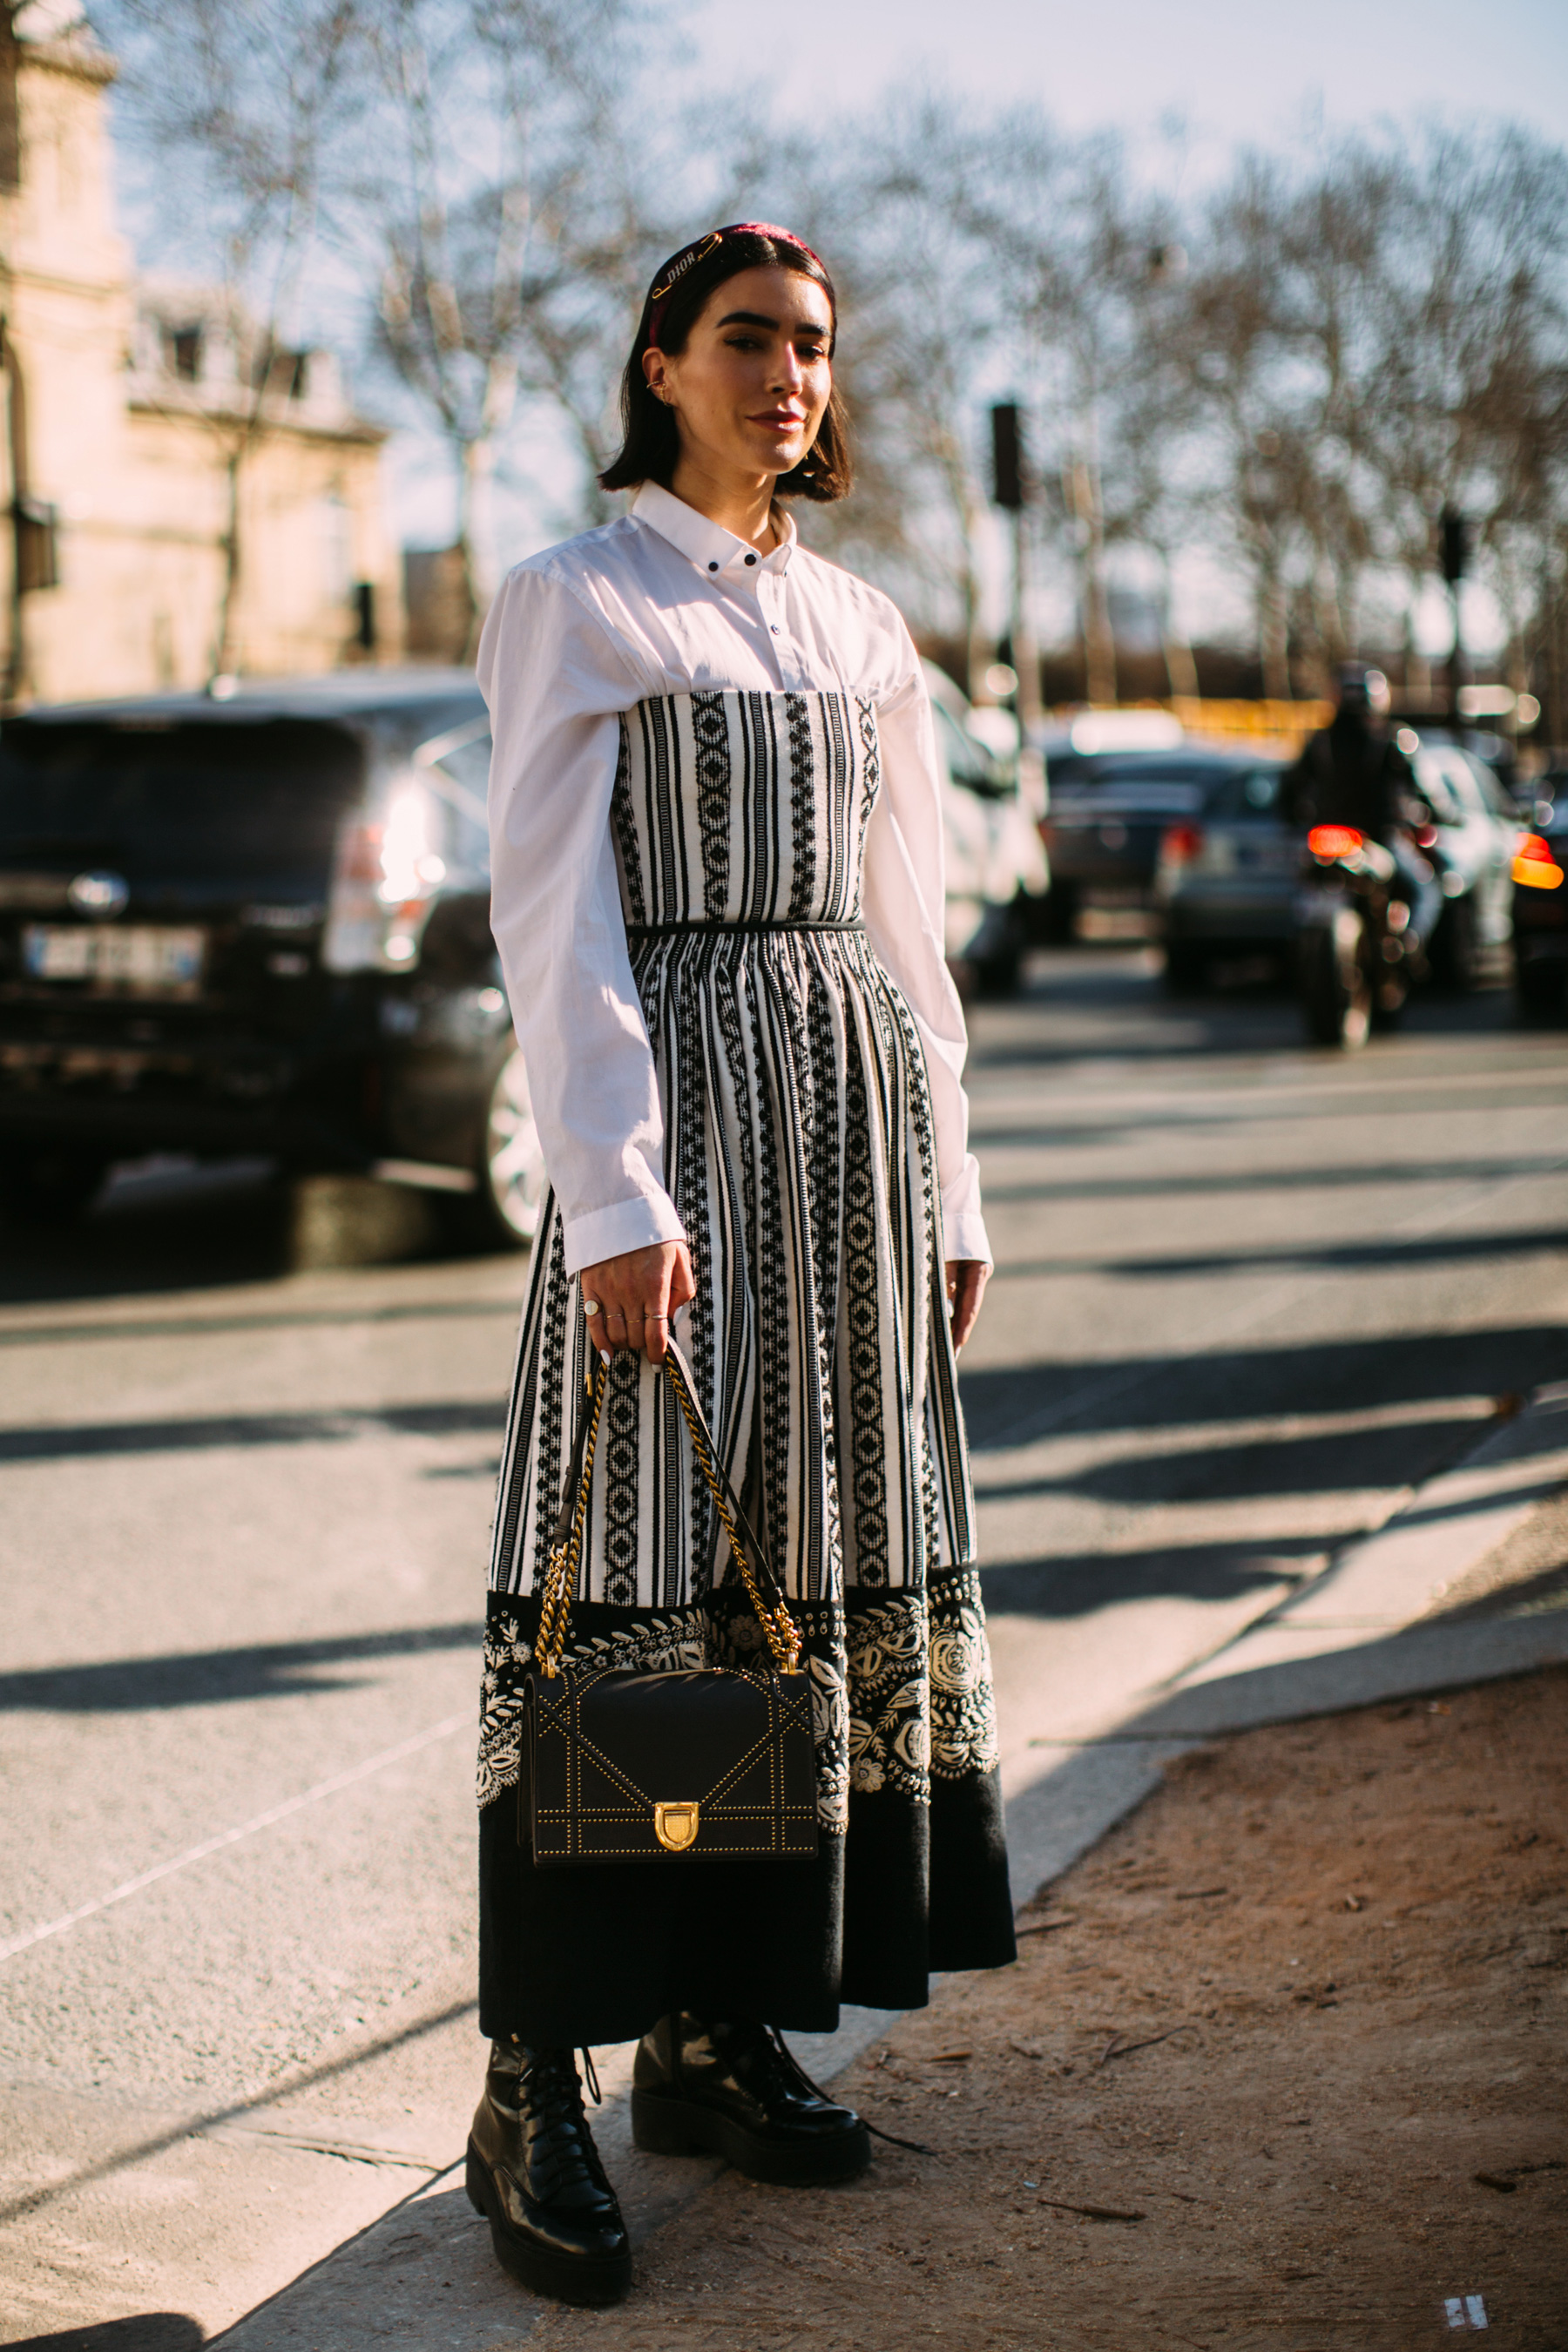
<point>186,353</point>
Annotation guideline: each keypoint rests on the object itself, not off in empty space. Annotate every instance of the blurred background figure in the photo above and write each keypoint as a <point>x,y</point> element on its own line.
<point>1352,773</point>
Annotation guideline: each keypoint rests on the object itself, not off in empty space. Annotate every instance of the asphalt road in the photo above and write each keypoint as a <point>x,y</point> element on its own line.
<point>1247,1296</point>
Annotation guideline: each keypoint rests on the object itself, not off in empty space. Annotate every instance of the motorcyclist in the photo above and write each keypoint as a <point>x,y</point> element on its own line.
<point>1352,773</point>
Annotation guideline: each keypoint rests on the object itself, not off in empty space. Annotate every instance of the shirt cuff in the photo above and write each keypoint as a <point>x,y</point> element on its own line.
<point>963,1236</point>
<point>629,1226</point>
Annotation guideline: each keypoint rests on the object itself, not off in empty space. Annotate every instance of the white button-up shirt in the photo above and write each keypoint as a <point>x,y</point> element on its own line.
<point>665,601</point>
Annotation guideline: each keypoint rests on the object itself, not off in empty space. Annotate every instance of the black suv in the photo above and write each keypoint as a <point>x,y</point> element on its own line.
<point>259,924</point>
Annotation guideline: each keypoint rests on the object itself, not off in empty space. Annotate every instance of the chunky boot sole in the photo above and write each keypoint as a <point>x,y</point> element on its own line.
<point>670,2127</point>
<point>590,2279</point>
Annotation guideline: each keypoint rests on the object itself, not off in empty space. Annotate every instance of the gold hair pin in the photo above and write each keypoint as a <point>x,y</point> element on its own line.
<point>688,261</point>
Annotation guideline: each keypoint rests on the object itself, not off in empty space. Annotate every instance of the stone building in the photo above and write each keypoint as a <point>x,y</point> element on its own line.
<point>184,499</point>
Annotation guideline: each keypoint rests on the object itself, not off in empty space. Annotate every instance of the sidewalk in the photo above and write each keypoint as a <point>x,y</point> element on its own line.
<point>1158,2027</point>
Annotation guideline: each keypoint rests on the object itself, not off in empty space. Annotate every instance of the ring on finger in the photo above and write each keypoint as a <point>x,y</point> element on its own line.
<point>592,1306</point>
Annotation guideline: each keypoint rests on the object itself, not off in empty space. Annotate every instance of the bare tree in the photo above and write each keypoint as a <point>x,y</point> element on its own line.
<point>921,327</point>
<point>1473,378</point>
<point>497,206</point>
<point>247,99</point>
<point>1088,263</point>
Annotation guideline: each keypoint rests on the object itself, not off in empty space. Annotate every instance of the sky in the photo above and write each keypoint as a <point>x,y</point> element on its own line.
<point>1189,85</point>
<point>1234,70</point>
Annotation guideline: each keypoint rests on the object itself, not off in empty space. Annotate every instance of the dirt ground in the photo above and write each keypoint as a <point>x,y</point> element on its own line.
<point>1283,2063</point>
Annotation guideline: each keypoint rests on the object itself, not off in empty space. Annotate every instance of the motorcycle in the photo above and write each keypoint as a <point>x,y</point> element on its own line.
<point>1356,955</point>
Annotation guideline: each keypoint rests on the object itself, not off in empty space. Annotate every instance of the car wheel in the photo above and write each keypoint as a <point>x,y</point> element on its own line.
<point>506,1209</point>
<point>49,1188</point>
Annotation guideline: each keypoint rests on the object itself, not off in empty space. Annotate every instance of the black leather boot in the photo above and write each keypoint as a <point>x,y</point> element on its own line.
<point>535,2175</point>
<point>736,2089</point>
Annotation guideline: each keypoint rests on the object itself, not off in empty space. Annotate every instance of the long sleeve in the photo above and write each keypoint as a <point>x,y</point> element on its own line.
<point>902,892</point>
<point>555,680</point>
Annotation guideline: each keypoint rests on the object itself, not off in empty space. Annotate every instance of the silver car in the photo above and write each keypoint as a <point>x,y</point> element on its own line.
<point>1472,845</point>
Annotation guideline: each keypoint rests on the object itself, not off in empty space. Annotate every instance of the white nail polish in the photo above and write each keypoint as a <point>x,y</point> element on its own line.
<point>603,1355</point>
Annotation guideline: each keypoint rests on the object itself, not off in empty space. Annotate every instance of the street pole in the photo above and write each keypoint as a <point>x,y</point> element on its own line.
<point>1454,534</point>
<point>1010,490</point>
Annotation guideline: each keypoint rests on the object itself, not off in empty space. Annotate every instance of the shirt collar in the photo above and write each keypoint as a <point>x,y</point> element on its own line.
<point>708,546</point>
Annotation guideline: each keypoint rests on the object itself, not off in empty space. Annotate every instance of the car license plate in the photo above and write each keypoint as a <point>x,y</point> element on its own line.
<point>135,960</point>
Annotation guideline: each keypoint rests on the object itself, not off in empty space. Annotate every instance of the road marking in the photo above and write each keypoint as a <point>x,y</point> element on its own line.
<point>330,1788</point>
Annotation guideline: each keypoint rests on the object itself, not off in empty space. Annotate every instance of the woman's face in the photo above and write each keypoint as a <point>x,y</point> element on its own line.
<point>750,388</point>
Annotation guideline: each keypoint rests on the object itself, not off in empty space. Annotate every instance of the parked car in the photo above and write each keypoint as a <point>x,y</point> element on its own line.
<point>1226,883</point>
<point>259,924</point>
<point>996,871</point>
<point>1540,908</point>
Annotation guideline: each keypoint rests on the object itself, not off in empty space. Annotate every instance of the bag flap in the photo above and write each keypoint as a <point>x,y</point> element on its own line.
<point>675,1736</point>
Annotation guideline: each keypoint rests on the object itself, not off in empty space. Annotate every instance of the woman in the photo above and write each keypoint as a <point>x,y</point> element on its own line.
<point>717,895</point>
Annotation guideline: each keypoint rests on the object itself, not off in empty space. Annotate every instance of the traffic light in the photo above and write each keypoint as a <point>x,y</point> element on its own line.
<point>1455,541</point>
<point>1007,456</point>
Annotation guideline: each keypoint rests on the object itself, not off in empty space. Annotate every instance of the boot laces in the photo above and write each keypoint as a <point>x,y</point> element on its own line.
<point>562,2143</point>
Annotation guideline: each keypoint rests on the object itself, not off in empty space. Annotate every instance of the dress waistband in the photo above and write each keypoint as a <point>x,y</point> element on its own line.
<point>785,923</point>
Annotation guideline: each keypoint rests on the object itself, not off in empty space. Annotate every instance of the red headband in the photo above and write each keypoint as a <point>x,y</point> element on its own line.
<point>670,277</point>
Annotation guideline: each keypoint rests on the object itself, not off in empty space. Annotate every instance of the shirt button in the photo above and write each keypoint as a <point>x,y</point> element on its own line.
<point>777,631</point>
<point>751,559</point>
<point>712,567</point>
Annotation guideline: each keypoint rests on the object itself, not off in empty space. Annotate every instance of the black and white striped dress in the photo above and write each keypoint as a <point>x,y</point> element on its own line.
<point>799,1155</point>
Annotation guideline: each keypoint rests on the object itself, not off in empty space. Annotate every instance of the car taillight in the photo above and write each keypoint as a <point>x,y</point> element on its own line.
<point>1535,863</point>
<point>1181,844</point>
<point>387,873</point>
<point>1331,841</point>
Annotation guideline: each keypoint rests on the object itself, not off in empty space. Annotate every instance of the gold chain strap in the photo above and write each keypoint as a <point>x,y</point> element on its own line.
<point>783,1634</point>
<point>561,1575</point>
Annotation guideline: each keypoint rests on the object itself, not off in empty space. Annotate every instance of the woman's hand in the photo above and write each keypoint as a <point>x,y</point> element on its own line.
<point>966,1281</point>
<point>635,1295</point>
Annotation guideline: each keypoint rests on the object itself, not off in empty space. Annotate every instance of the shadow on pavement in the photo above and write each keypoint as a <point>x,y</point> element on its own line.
<point>144,2331</point>
<point>208,1677</point>
<point>191,1230</point>
<point>1317,1461</point>
<point>1080,1584</point>
<point>1009,1405</point>
<point>48,1442</point>
<point>200,1226</point>
<point>1431,1250</point>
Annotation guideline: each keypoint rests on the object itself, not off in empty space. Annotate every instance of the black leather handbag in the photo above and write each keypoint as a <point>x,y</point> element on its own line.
<point>704,1764</point>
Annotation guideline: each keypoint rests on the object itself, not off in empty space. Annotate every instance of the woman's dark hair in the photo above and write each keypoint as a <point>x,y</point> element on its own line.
<point>650,441</point>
